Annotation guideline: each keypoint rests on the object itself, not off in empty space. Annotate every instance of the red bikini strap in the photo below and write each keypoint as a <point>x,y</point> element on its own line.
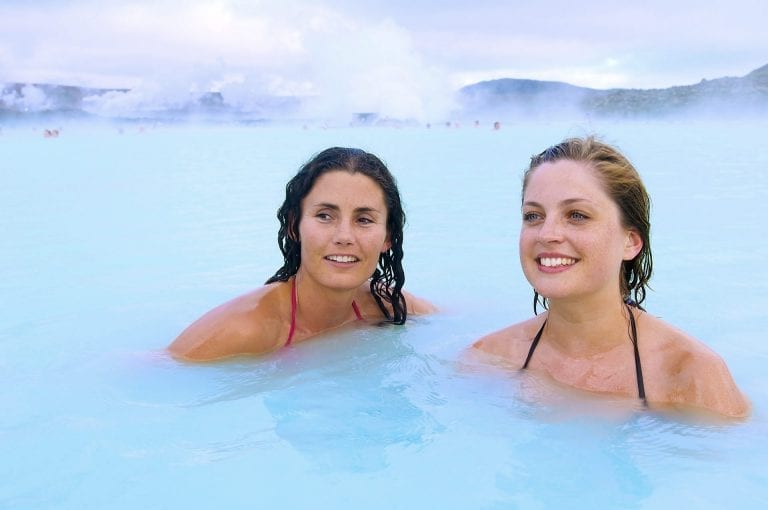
<point>357,311</point>
<point>294,306</point>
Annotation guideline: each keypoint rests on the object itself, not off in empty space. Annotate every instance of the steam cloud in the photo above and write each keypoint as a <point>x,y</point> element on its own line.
<point>396,58</point>
<point>171,53</point>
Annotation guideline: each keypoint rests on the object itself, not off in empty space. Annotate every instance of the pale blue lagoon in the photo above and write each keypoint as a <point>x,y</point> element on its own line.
<point>112,242</point>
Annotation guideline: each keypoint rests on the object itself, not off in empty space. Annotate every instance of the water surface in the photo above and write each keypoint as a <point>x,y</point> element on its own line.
<point>113,242</point>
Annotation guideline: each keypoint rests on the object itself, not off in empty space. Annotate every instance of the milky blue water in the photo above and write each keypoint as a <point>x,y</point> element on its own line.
<point>111,243</point>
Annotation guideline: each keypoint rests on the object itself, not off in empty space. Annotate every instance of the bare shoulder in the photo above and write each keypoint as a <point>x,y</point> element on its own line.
<point>685,370</point>
<point>248,324</point>
<point>511,343</point>
<point>370,309</point>
<point>417,305</point>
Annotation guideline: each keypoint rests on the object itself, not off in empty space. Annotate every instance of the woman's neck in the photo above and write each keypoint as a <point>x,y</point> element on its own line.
<point>582,329</point>
<point>318,308</point>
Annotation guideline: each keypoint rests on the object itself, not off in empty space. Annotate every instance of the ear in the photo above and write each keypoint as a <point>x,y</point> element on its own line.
<point>387,245</point>
<point>292,235</point>
<point>633,245</point>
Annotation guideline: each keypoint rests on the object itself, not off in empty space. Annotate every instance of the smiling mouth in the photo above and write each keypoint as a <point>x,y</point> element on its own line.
<point>346,259</point>
<point>556,261</point>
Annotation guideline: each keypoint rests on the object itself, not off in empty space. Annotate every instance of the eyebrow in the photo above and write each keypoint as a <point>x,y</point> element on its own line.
<point>327,205</point>
<point>567,201</point>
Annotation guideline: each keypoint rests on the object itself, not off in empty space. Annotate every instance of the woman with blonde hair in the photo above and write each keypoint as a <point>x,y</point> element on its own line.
<point>585,249</point>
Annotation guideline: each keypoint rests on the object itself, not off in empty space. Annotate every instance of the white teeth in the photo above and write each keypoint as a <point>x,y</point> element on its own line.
<point>342,258</point>
<point>557,261</point>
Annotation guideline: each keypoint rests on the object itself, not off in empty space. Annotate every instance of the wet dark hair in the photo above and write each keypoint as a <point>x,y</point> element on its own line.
<point>626,189</point>
<point>388,278</point>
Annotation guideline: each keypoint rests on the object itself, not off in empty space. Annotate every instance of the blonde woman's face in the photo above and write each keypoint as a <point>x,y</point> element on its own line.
<point>572,241</point>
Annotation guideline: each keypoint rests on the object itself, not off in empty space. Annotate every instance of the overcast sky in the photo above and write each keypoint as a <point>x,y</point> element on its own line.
<point>405,49</point>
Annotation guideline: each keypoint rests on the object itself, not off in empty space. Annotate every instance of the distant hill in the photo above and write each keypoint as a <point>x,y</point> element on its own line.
<point>495,99</point>
<point>745,95</point>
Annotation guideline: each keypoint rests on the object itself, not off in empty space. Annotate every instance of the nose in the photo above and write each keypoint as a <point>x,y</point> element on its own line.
<point>343,234</point>
<point>550,231</point>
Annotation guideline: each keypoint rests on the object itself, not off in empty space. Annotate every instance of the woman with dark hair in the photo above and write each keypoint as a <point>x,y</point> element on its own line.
<point>585,249</point>
<point>341,235</point>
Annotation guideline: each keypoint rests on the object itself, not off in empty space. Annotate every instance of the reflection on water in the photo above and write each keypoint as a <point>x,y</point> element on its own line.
<point>347,415</point>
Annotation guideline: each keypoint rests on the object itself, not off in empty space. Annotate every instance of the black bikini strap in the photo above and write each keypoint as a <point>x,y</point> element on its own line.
<point>534,344</point>
<point>638,368</point>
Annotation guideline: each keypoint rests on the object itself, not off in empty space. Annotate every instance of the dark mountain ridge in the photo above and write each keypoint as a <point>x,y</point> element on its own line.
<point>742,95</point>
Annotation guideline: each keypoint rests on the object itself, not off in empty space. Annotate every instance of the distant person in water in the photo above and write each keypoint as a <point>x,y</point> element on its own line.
<point>341,235</point>
<point>585,249</point>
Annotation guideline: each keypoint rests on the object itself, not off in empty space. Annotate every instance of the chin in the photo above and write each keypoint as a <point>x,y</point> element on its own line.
<point>346,282</point>
<point>548,292</point>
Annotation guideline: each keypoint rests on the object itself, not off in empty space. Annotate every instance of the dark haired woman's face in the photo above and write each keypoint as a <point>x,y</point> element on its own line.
<point>343,230</point>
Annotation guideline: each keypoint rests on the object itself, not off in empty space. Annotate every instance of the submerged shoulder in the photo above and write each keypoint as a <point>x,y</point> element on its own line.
<point>512,342</point>
<point>692,372</point>
<point>247,324</point>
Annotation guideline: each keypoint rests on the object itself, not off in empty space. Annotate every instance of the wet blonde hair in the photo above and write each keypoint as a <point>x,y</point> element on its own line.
<point>623,184</point>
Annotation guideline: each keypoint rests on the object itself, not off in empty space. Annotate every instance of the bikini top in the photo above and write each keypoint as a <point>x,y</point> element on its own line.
<point>294,306</point>
<point>633,330</point>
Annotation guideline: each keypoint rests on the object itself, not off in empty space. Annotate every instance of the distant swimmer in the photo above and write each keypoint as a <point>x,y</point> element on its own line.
<point>496,125</point>
<point>51,133</point>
